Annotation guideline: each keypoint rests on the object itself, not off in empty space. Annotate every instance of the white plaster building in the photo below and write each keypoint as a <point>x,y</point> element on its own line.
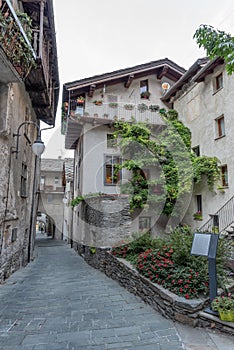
<point>204,98</point>
<point>90,107</point>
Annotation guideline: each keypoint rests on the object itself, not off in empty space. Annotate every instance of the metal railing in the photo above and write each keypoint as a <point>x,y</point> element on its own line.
<point>224,216</point>
<point>105,111</point>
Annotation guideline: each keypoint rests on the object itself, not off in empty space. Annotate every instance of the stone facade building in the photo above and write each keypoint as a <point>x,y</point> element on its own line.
<point>29,87</point>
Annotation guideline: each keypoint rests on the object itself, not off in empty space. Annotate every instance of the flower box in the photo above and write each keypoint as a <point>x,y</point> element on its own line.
<point>226,315</point>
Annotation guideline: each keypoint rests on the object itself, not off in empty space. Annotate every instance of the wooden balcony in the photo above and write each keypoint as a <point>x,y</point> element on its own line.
<point>16,53</point>
<point>31,58</point>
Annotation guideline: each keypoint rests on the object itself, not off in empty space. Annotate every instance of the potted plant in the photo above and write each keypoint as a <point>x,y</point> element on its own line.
<point>145,95</point>
<point>225,307</point>
<point>129,107</point>
<point>98,102</point>
<point>142,107</point>
<point>154,108</point>
<point>80,100</point>
<point>113,104</point>
<point>197,215</point>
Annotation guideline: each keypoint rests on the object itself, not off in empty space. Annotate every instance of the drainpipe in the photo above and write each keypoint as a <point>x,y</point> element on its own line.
<point>42,7</point>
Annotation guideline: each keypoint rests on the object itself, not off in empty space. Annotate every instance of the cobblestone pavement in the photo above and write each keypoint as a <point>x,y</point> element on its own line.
<point>59,302</point>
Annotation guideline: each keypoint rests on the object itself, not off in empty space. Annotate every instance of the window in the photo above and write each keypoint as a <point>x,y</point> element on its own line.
<point>23,184</point>
<point>111,141</point>
<point>144,223</point>
<point>56,180</point>
<point>224,175</point>
<point>196,150</point>
<point>144,89</point>
<point>112,178</point>
<point>199,203</point>
<point>218,82</point>
<point>220,127</point>
<point>42,183</point>
<point>14,234</point>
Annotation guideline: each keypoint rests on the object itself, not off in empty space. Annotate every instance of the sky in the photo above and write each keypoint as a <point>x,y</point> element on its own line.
<point>100,36</point>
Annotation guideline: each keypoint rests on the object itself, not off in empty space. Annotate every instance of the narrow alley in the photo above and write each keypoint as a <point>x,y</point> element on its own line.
<point>59,302</point>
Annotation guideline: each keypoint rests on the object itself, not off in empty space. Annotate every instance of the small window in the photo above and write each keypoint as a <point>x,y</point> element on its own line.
<point>112,178</point>
<point>14,234</point>
<point>144,89</point>
<point>199,203</point>
<point>220,127</point>
<point>224,175</point>
<point>218,83</point>
<point>111,141</point>
<point>56,180</point>
<point>144,223</point>
<point>196,151</point>
<point>24,176</point>
<point>42,183</point>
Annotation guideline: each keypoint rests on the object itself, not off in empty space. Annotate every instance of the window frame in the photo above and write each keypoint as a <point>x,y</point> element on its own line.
<point>224,175</point>
<point>219,129</point>
<point>113,181</point>
<point>218,82</point>
<point>24,180</point>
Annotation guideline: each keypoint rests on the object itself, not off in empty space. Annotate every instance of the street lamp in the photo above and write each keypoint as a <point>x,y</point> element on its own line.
<point>38,146</point>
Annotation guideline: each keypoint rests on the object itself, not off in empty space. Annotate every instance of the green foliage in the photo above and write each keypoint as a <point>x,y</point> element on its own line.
<point>167,261</point>
<point>208,166</point>
<point>77,200</point>
<point>170,151</point>
<point>217,44</point>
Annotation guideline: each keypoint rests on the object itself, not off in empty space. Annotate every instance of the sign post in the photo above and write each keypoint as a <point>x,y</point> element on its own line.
<point>205,244</point>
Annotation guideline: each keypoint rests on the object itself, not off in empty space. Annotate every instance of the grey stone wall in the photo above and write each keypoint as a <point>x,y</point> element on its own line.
<point>106,220</point>
<point>168,304</point>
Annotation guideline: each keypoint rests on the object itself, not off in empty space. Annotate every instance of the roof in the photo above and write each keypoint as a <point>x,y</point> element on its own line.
<point>162,67</point>
<point>196,73</point>
<point>184,79</point>
<point>52,165</point>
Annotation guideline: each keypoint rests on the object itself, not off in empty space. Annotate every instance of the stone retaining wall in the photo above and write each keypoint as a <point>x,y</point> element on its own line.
<point>168,304</point>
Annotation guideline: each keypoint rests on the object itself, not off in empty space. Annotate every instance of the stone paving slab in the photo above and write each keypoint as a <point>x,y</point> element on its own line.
<point>59,302</point>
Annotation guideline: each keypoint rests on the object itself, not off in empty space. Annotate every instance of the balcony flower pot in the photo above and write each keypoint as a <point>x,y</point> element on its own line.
<point>113,105</point>
<point>197,216</point>
<point>98,102</point>
<point>80,100</point>
<point>145,95</point>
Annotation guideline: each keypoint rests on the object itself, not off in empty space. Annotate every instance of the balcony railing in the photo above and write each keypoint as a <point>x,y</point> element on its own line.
<point>107,111</point>
<point>14,41</point>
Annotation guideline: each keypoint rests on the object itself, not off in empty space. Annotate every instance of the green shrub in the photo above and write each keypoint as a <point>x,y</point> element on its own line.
<point>169,263</point>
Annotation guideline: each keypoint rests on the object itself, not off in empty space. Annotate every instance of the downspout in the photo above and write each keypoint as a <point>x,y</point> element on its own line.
<point>42,7</point>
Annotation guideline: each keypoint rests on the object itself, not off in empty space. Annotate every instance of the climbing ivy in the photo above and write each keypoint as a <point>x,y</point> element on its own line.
<point>169,150</point>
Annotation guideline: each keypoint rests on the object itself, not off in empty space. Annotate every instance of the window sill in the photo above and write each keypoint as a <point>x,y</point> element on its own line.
<point>216,91</point>
<point>219,137</point>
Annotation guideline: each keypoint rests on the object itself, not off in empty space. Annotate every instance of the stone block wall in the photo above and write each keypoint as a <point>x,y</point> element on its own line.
<point>168,304</point>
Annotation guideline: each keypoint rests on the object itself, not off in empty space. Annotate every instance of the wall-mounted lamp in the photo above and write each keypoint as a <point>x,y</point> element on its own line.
<point>38,146</point>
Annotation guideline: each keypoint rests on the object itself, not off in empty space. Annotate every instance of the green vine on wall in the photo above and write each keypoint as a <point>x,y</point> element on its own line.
<point>171,151</point>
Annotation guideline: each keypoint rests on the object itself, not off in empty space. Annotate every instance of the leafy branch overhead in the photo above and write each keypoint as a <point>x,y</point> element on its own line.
<point>217,43</point>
